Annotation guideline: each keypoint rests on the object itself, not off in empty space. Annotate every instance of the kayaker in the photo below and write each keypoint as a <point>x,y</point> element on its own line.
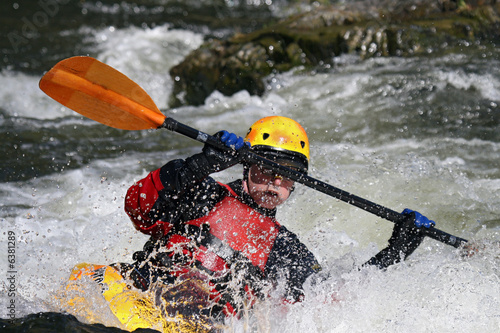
<point>225,236</point>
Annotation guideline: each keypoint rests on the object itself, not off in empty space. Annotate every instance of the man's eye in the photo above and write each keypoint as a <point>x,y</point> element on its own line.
<point>266,171</point>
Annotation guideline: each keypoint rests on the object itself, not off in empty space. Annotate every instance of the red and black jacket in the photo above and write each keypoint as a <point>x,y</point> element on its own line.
<point>217,231</point>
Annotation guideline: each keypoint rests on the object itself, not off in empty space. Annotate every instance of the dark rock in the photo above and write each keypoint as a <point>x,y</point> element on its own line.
<point>391,28</point>
<point>48,322</point>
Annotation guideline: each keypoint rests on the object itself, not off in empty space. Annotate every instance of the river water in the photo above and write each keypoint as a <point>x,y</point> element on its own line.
<point>422,133</point>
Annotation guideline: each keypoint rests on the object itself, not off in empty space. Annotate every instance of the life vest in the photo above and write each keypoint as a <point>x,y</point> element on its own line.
<point>231,233</point>
<point>235,229</point>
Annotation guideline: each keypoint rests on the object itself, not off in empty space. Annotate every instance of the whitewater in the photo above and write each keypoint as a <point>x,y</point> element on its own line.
<point>416,133</point>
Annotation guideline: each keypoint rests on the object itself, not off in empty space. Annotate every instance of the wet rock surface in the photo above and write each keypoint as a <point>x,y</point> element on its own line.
<point>315,38</point>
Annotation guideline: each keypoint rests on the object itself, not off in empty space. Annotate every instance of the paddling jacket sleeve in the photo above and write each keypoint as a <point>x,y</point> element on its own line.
<point>404,241</point>
<point>168,195</point>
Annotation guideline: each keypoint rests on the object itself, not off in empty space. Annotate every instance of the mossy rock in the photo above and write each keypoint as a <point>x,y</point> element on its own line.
<point>243,61</point>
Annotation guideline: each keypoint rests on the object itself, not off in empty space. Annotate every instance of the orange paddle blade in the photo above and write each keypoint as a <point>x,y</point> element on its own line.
<point>100,92</point>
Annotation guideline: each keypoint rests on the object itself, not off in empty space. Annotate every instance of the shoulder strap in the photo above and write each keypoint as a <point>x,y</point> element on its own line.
<point>229,189</point>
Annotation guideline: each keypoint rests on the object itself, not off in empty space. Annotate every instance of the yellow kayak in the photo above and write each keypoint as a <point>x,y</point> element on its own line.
<point>164,308</point>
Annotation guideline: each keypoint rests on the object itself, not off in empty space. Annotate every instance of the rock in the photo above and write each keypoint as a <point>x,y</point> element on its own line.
<point>392,28</point>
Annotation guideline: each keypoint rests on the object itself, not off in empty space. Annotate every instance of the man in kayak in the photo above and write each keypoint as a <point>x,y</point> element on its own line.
<point>225,236</point>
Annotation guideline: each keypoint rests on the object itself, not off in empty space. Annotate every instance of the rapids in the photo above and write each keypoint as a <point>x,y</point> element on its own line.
<point>421,133</point>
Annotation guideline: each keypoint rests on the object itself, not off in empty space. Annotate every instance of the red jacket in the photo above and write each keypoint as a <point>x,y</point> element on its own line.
<point>218,229</point>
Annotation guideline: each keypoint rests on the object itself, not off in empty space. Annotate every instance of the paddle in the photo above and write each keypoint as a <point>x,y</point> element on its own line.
<point>101,93</point>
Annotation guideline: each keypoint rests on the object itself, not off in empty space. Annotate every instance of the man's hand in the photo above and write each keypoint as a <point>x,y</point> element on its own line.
<point>419,219</point>
<point>221,159</point>
<point>406,236</point>
<point>215,159</point>
<point>231,140</point>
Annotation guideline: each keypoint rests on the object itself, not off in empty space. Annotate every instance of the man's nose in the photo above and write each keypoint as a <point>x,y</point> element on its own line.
<point>277,180</point>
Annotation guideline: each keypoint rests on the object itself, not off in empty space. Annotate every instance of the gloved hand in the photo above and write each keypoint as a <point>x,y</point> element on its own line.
<point>420,220</point>
<point>213,159</point>
<point>221,159</point>
<point>231,140</point>
<point>406,236</point>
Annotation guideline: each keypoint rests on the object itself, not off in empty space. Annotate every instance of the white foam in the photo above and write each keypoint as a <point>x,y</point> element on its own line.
<point>487,84</point>
<point>146,55</point>
<point>21,97</point>
<point>76,216</point>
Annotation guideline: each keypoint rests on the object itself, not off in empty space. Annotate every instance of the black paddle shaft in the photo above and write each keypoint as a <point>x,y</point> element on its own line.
<point>251,157</point>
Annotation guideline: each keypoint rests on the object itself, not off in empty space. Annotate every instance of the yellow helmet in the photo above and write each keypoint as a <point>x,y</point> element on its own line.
<point>280,139</point>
